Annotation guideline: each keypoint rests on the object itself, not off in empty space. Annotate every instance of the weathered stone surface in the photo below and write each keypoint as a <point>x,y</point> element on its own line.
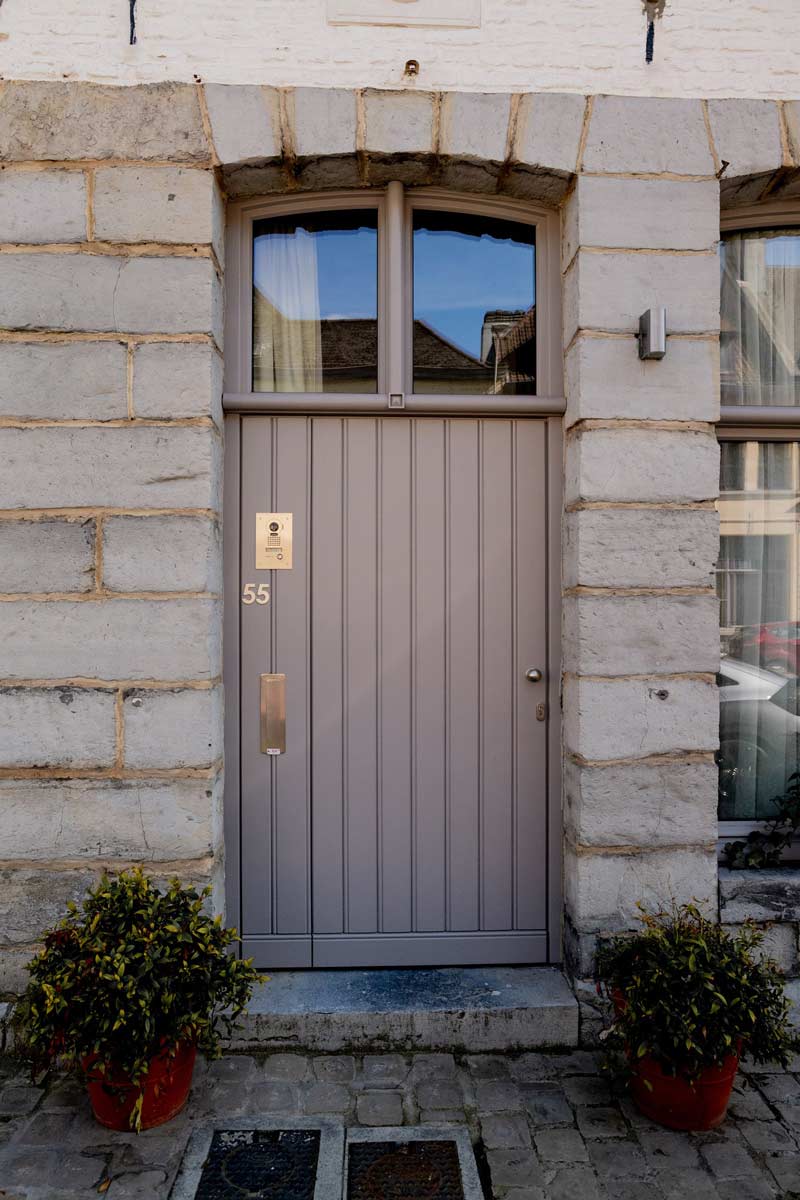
<point>33,900</point>
<point>640,547</point>
<point>747,135</point>
<point>164,821</point>
<point>383,1070</point>
<point>772,894</point>
<point>647,135</point>
<point>173,728</point>
<point>104,293</point>
<point>42,206</point>
<point>633,635</point>
<point>610,291</point>
<point>162,554</point>
<point>326,1097</point>
<point>380,1108</point>
<point>654,214</point>
<point>157,204</point>
<point>605,379</point>
<point>61,727</point>
<point>177,379</point>
<point>131,468</point>
<point>475,125</point>
<point>780,944</point>
<point>601,891</point>
<point>549,130</point>
<point>641,804</point>
<point>324,121</point>
<point>640,464</point>
<point>46,556</point>
<point>561,1145</point>
<point>626,718</point>
<point>68,121</point>
<point>244,121</point>
<point>505,1131</point>
<point>791,110</point>
<point>399,122</point>
<point>58,380</point>
<point>111,639</point>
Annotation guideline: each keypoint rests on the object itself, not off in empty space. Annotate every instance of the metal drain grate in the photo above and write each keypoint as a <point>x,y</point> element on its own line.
<point>409,1170</point>
<point>257,1164</point>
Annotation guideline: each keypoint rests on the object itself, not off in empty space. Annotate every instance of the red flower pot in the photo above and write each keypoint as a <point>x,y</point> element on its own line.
<point>674,1102</point>
<point>166,1090</point>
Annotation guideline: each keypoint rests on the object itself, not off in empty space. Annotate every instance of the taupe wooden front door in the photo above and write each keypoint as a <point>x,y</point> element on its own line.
<point>406,822</point>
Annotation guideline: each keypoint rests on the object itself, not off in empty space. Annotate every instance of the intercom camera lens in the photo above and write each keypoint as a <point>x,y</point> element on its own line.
<point>274,526</point>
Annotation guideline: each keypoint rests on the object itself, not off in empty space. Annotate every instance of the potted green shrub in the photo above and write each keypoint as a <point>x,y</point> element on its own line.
<point>690,998</point>
<point>127,988</point>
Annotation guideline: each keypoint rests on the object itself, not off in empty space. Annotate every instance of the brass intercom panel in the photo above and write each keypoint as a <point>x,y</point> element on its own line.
<point>273,541</point>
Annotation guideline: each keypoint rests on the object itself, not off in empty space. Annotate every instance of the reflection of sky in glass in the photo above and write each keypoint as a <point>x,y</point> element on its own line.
<point>458,278</point>
<point>783,251</point>
<point>346,266</point>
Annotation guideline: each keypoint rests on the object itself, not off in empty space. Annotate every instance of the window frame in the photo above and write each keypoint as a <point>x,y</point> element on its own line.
<point>395,206</point>
<point>767,423</point>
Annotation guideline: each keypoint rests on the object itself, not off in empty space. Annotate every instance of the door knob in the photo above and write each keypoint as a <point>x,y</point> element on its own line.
<point>533,675</point>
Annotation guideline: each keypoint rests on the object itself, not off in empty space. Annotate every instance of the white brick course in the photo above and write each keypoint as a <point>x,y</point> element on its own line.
<point>78,380</point>
<point>173,728</point>
<point>161,554</point>
<point>46,556</point>
<point>66,727</point>
<point>42,206</point>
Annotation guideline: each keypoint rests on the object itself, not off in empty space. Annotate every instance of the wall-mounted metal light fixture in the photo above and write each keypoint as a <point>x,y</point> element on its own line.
<point>653,333</point>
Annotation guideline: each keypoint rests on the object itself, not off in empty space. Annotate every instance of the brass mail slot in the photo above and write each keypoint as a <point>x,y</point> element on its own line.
<point>273,714</point>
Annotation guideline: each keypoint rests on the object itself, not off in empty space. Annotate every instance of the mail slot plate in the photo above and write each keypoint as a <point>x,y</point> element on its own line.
<point>273,541</point>
<point>273,714</point>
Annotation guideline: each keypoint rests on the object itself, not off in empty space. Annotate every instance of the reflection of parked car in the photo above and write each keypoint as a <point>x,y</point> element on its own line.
<point>759,738</point>
<point>775,646</point>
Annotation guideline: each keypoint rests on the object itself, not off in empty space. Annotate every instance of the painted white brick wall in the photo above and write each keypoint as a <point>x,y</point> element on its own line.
<point>703,47</point>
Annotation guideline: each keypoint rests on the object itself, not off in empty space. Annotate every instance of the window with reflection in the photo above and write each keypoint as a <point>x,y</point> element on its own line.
<point>315,302</point>
<point>758,584</point>
<point>474,305</point>
<point>760,343</point>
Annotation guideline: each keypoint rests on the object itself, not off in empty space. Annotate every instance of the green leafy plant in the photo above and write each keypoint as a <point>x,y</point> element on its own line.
<point>689,994</point>
<point>131,973</point>
<point>764,847</point>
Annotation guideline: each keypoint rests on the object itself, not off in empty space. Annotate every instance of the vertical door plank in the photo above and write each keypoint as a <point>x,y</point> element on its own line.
<point>430,620</point>
<point>464,675</point>
<point>497,658</point>
<point>328,852</point>
<point>394,675</point>
<point>360,675</point>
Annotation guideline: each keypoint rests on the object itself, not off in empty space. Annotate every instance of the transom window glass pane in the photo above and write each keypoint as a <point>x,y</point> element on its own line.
<point>315,303</point>
<point>758,584</point>
<point>474,305</point>
<point>760,344</point>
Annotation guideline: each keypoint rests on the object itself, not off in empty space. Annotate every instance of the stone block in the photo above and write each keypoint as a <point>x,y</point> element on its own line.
<point>609,291</point>
<point>549,127</point>
<point>244,121</point>
<point>177,379</point>
<point>42,206</point>
<point>379,1108</point>
<point>640,464</point>
<point>181,728</point>
<point>158,204</point>
<point>46,556</point>
<point>72,819</point>
<point>69,121</point>
<point>637,635</point>
<point>647,135</point>
<point>747,135</point>
<point>33,900</point>
<point>93,467</point>
<point>561,1145</point>
<point>651,214</point>
<point>606,719</point>
<point>665,803</point>
<point>324,122</point>
<point>61,727</point>
<point>111,639</point>
<point>399,122</point>
<point>640,547</point>
<point>791,112</point>
<point>104,293</point>
<point>779,944</point>
<point>475,125</point>
<point>162,554</point>
<point>601,891</point>
<point>772,894</point>
<point>605,379</point>
<point>537,184</point>
<point>58,380</point>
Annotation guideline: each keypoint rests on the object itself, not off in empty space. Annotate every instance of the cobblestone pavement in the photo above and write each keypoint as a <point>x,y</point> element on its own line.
<point>548,1127</point>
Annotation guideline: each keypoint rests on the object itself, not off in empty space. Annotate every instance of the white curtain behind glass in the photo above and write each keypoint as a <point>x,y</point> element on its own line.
<point>287,346</point>
<point>761,318</point>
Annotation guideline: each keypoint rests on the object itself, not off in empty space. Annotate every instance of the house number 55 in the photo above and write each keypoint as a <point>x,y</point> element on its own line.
<point>255,595</point>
